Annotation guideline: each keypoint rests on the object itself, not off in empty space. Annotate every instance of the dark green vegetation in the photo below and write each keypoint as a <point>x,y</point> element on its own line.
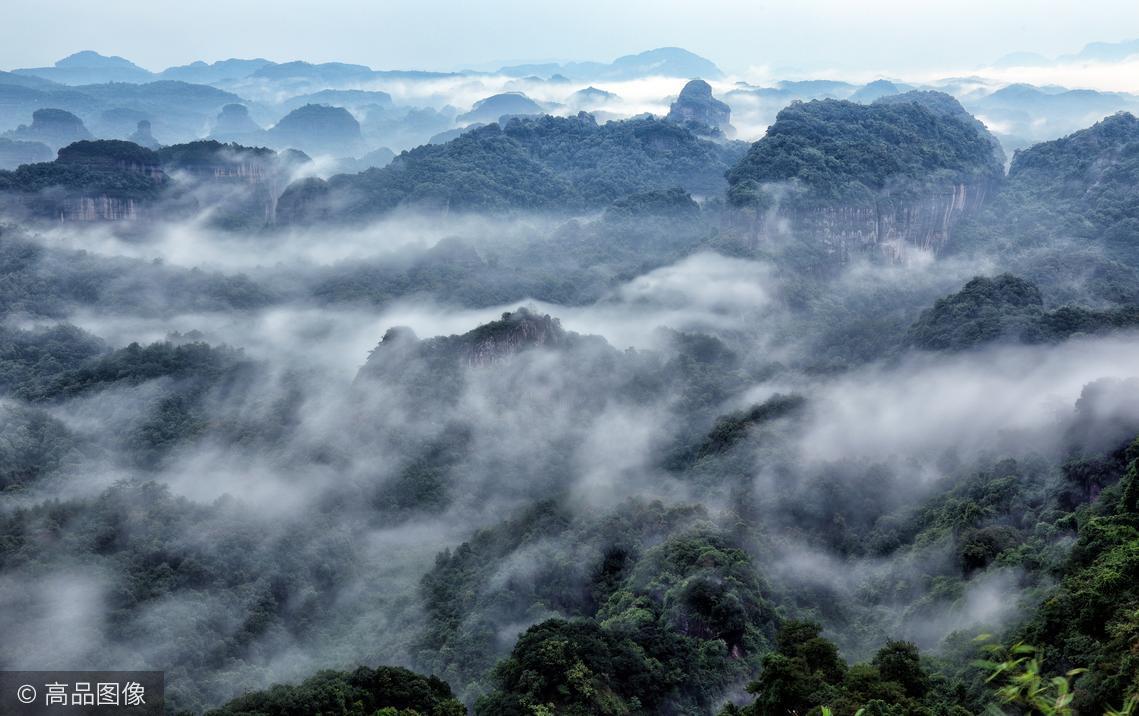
<point>1010,309</point>
<point>110,168</point>
<point>847,153</point>
<point>543,164</point>
<point>386,691</point>
<point>1078,189</point>
<point>50,283</point>
<point>115,180</point>
<point>808,486</point>
<point>805,672</point>
<point>1091,619</point>
<point>666,625</point>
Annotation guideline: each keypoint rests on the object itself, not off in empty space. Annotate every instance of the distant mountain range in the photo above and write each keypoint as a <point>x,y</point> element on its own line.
<point>664,62</point>
<point>89,67</point>
<point>1092,52</point>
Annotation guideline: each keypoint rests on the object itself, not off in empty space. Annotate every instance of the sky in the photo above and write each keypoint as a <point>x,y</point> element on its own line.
<point>886,36</point>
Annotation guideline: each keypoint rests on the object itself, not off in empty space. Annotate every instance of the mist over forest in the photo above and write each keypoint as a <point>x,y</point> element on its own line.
<point>596,387</point>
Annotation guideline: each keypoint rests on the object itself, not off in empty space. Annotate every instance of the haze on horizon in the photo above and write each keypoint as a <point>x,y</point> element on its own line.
<point>878,36</point>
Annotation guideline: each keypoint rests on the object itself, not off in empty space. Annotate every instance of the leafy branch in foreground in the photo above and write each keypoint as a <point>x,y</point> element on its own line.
<point>1023,683</point>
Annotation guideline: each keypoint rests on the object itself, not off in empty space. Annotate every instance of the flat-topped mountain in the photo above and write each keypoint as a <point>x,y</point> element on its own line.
<point>318,129</point>
<point>53,127</point>
<point>886,175</point>
<point>233,124</point>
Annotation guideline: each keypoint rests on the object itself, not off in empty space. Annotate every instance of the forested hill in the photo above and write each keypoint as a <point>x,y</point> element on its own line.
<point>850,179</point>
<point>843,152</point>
<point>543,163</point>
<point>948,106</point>
<point>1079,191</point>
<point>1080,186</point>
<point>110,179</point>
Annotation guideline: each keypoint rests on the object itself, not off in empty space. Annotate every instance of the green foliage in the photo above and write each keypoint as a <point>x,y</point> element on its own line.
<point>544,164</point>
<point>153,549</point>
<point>383,691</point>
<point>109,153</point>
<point>33,445</point>
<point>731,429</point>
<point>1007,308</point>
<point>40,281</point>
<point>82,178</point>
<point>984,310</point>
<point>852,153</point>
<point>672,204</point>
<point>691,613</point>
<point>207,153</point>
<point>1078,188</point>
<point>133,365</point>
<point>573,668</point>
<point>26,355</point>
<point>1021,682</point>
<point>1091,619</point>
<point>806,671</point>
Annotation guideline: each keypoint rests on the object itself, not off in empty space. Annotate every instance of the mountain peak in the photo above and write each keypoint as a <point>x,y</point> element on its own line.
<point>668,62</point>
<point>696,106</point>
<point>89,59</point>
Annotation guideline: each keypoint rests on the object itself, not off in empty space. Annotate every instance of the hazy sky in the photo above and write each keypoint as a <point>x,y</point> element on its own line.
<point>882,35</point>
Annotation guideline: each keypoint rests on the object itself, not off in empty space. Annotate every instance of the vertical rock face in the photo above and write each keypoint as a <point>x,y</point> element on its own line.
<point>516,331</point>
<point>697,106</point>
<point>892,178</point>
<point>401,354</point>
<point>893,227</point>
<point>99,208</point>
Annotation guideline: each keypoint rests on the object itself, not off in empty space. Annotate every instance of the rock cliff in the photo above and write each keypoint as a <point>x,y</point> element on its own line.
<point>892,227</point>
<point>696,106</point>
<point>887,178</point>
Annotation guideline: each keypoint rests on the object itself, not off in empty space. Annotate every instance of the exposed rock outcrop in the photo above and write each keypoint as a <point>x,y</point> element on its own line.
<point>890,226</point>
<point>891,177</point>
<point>516,331</point>
<point>697,107</point>
<point>401,356</point>
<point>99,208</point>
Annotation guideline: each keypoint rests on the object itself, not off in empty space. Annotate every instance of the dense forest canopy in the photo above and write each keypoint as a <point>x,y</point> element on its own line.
<point>570,412</point>
<point>843,152</point>
<point>537,164</point>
